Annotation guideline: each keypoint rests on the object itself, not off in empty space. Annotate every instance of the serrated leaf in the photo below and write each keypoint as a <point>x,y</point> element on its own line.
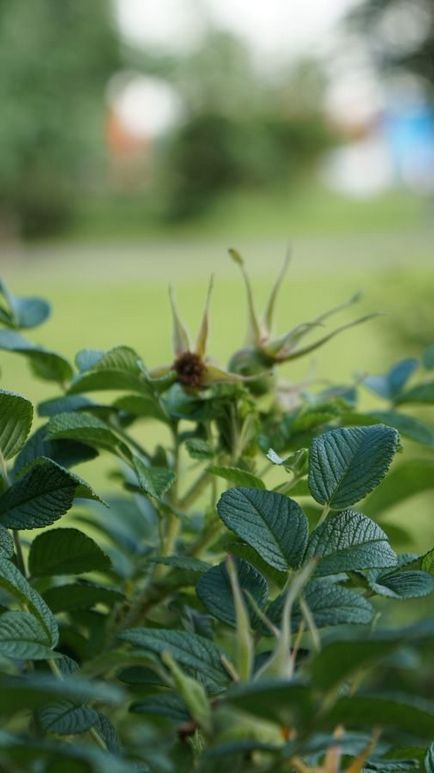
<point>64,718</point>
<point>65,404</point>
<point>46,364</point>
<point>39,498</point>
<point>405,480</point>
<point>274,525</point>
<point>352,652</point>
<point>22,637</point>
<point>16,415</point>
<point>197,655</point>
<point>33,690</point>
<point>407,426</point>
<point>6,543</point>
<point>422,394</point>
<point>237,476</point>
<point>153,480</point>
<point>80,595</point>
<point>400,714</point>
<point>346,464</point>
<point>392,383</point>
<point>167,704</point>
<point>66,453</point>
<point>214,590</point>
<point>119,368</point>
<point>87,429</point>
<point>347,542</point>
<point>329,603</point>
<point>14,583</point>
<point>65,551</point>
<point>404,584</point>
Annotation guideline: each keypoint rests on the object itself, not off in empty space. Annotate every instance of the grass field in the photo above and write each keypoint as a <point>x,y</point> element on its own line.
<point>113,291</point>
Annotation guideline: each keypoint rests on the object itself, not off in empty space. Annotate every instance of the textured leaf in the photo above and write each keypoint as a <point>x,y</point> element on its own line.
<point>80,595</point>
<point>23,312</point>
<point>33,690</point>
<point>346,464</point>
<point>404,584</point>
<point>64,718</point>
<point>38,498</point>
<point>65,404</point>
<point>347,542</point>
<point>145,406</point>
<point>237,476</point>
<point>339,659</point>
<point>407,426</point>
<point>274,525</point>
<point>66,453</point>
<point>402,715</point>
<point>330,604</point>
<point>22,637</point>
<point>16,415</point>
<point>6,543</point>
<point>405,480</point>
<point>214,590</point>
<point>45,364</point>
<point>86,428</point>
<point>166,704</point>
<point>119,368</point>
<point>14,583</point>
<point>420,394</point>
<point>153,480</point>
<point>65,551</point>
<point>199,656</point>
<point>392,383</point>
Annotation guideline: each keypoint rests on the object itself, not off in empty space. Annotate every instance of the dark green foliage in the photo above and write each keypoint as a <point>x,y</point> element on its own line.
<point>131,641</point>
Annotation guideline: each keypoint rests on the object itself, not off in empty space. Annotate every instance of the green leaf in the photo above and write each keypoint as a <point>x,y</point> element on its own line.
<point>23,312</point>
<point>330,604</point>
<point>80,595</point>
<point>288,703</point>
<point>65,404</point>
<point>88,429</point>
<point>428,357</point>
<point>346,464</point>
<point>401,715</point>
<point>46,364</point>
<point>214,590</point>
<point>353,652</point>
<point>405,480</point>
<point>22,637</point>
<point>65,551</point>
<point>403,584</point>
<point>421,394</point>
<point>6,543</point>
<point>14,583</point>
<point>392,383</point>
<point>155,481</point>
<point>64,718</point>
<point>407,426</point>
<point>119,368</point>
<point>347,542</point>
<point>66,453</point>
<point>199,656</point>
<point>429,757</point>
<point>16,415</point>
<point>274,525</point>
<point>237,476</point>
<point>166,704</point>
<point>199,449</point>
<point>145,406</point>
<point>38,498</point>
<point>34,690</point>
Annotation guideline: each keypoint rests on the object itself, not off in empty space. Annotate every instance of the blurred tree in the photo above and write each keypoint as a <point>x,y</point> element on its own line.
<point>55,59</point>
<point>242,127</point>
<point>400,35</point>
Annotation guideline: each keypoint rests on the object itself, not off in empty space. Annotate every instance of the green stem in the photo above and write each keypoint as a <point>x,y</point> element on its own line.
<point>324,514</point>
<point>194,491</point>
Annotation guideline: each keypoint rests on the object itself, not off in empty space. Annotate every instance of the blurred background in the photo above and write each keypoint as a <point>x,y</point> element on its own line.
<point>139,140</point>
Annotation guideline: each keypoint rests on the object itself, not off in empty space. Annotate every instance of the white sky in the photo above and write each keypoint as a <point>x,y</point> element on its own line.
<point>274,27</point>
